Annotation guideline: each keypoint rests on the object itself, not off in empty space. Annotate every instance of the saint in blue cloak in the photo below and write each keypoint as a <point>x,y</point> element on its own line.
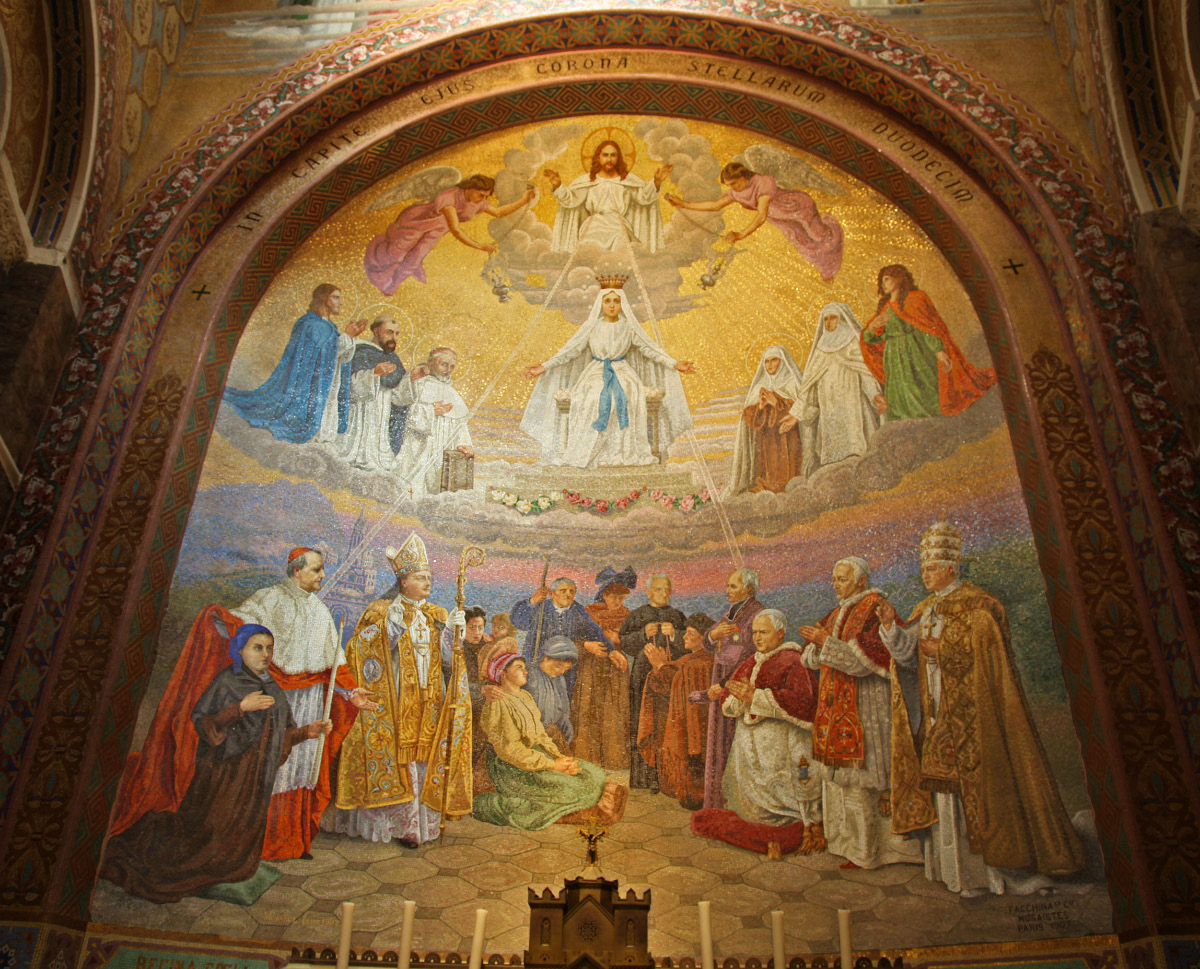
<point>291,403</point>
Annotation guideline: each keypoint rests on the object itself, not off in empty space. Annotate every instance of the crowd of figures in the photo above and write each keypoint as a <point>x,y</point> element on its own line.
<point>878,739</point>
<point>352,395</point>
<point>902,365</point>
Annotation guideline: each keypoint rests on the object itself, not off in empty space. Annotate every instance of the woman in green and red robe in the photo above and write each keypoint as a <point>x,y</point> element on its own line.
<point>909,349</point>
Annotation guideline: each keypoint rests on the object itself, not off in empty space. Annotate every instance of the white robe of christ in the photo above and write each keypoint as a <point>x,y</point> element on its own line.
<point>608,213</point>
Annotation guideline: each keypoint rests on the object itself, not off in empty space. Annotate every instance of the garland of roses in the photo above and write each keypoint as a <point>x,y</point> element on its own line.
<point>602,506</point>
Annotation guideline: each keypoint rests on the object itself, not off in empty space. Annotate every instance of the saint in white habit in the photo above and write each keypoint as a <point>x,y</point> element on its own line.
<point>607,367</point>
<point>837,398</point>
<point>766,450</point>
<point>609,207</point>
<point>437,422</point>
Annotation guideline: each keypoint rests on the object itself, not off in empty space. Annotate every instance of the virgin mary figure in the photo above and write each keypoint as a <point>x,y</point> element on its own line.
<point>606,369</point>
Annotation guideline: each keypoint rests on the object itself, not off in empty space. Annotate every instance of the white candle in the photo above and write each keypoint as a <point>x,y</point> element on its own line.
<point>343,958</point>
<point>406,934</point>
<point>844,938</point>
<point>777,939</point>
<point>706,950</point>
<point>477,939</point>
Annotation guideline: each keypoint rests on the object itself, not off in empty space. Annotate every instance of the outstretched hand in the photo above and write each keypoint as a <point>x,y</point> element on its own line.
<point>674,200</point>
<point>360,699</point>
<point>553,177</point>
<point>355,327</point>
<point>685,366</point>
<point>535,371</point>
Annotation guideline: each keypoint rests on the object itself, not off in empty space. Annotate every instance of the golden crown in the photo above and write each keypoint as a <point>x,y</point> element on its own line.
<point>941,542</point>
<point>612,282</point>
<point>409,557</point>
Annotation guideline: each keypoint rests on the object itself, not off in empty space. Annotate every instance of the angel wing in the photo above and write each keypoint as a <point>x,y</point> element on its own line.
<point>788,170</point>
<point>422,186</point>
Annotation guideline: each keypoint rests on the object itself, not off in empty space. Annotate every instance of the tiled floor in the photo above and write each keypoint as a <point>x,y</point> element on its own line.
<point>480,865</point>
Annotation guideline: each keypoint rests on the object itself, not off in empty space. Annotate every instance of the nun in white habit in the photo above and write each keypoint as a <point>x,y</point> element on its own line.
<point>607,367</point>
<point>766,451</point>
<point>838,412</point>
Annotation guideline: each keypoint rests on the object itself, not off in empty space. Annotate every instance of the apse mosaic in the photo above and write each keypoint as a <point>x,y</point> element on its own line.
<point>625,472</point>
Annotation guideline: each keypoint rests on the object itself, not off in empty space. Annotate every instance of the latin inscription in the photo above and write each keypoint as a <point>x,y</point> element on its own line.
<point>766,80</point>
<point>947,178</point>
<point>322,154</point>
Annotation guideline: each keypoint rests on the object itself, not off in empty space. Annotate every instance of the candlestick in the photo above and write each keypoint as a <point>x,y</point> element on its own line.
<point>777,939</point>
<point>406,933</point>
<point>477,939</point>
<point>844,938</point>
<point>343,956</point>
<point>706,947</point>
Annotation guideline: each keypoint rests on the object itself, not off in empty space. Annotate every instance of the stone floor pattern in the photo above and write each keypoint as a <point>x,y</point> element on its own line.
<point>480,865</point>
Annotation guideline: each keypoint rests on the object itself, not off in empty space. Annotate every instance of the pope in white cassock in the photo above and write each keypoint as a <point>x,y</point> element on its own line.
<point>838,416</point>
<point>606,367</point>
<point>608,207</point>
<point>437,422</point>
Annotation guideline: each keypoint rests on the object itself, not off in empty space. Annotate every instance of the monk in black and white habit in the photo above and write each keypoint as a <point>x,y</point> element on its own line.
<point>214,833</point>
<point>378,411</point>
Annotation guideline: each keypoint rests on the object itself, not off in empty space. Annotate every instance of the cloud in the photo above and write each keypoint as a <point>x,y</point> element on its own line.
<point>898,449</point>
<point>523,241</point>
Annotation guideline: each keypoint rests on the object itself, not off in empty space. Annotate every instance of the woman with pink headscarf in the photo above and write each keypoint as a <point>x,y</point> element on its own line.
<point>536,784</point>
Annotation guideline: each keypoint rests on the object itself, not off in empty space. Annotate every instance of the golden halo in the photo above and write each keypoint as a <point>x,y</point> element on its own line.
<point>593,141</point>
<point>310,281</point>
<point>789,341</point>
<point>853,300</point>
<point>402,319</point>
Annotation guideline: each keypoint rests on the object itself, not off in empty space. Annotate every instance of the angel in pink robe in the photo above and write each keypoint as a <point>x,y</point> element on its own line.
<point>817,238</point>
<point>399,253</point>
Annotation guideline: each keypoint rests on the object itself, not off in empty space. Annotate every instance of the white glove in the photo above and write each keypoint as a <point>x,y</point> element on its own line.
<point>458,618</point>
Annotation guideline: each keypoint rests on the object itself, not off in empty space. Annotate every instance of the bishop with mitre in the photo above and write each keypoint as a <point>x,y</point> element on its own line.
<point>405,764</point>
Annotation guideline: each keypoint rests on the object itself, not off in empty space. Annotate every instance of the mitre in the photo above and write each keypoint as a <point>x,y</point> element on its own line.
<point>409,557</point>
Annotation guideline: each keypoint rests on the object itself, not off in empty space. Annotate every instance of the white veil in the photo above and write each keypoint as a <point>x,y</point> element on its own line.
<point>540,420</point>
<point>820,360</point>
<point>743,472</point>
<point>787,372</point>
<point>830,341</point>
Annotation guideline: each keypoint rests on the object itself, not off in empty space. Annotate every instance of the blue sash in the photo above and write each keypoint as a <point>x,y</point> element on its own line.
<point>612,387</point>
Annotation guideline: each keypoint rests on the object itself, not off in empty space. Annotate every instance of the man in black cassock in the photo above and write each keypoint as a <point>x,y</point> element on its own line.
<point>655,626</point>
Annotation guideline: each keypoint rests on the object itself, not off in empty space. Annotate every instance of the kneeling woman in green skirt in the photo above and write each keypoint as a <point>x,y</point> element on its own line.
<point>535,783</point>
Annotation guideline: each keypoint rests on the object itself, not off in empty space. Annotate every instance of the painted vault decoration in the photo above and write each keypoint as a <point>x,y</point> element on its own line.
<point>760,591</point>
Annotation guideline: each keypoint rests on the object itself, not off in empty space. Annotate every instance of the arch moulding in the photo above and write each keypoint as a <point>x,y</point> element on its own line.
<point>1091,419</point>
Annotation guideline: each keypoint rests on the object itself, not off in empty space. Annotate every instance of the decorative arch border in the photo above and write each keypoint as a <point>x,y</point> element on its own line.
<point>1044,185</point>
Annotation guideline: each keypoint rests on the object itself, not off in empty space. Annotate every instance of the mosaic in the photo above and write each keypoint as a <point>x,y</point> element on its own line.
<point>625,470</point>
